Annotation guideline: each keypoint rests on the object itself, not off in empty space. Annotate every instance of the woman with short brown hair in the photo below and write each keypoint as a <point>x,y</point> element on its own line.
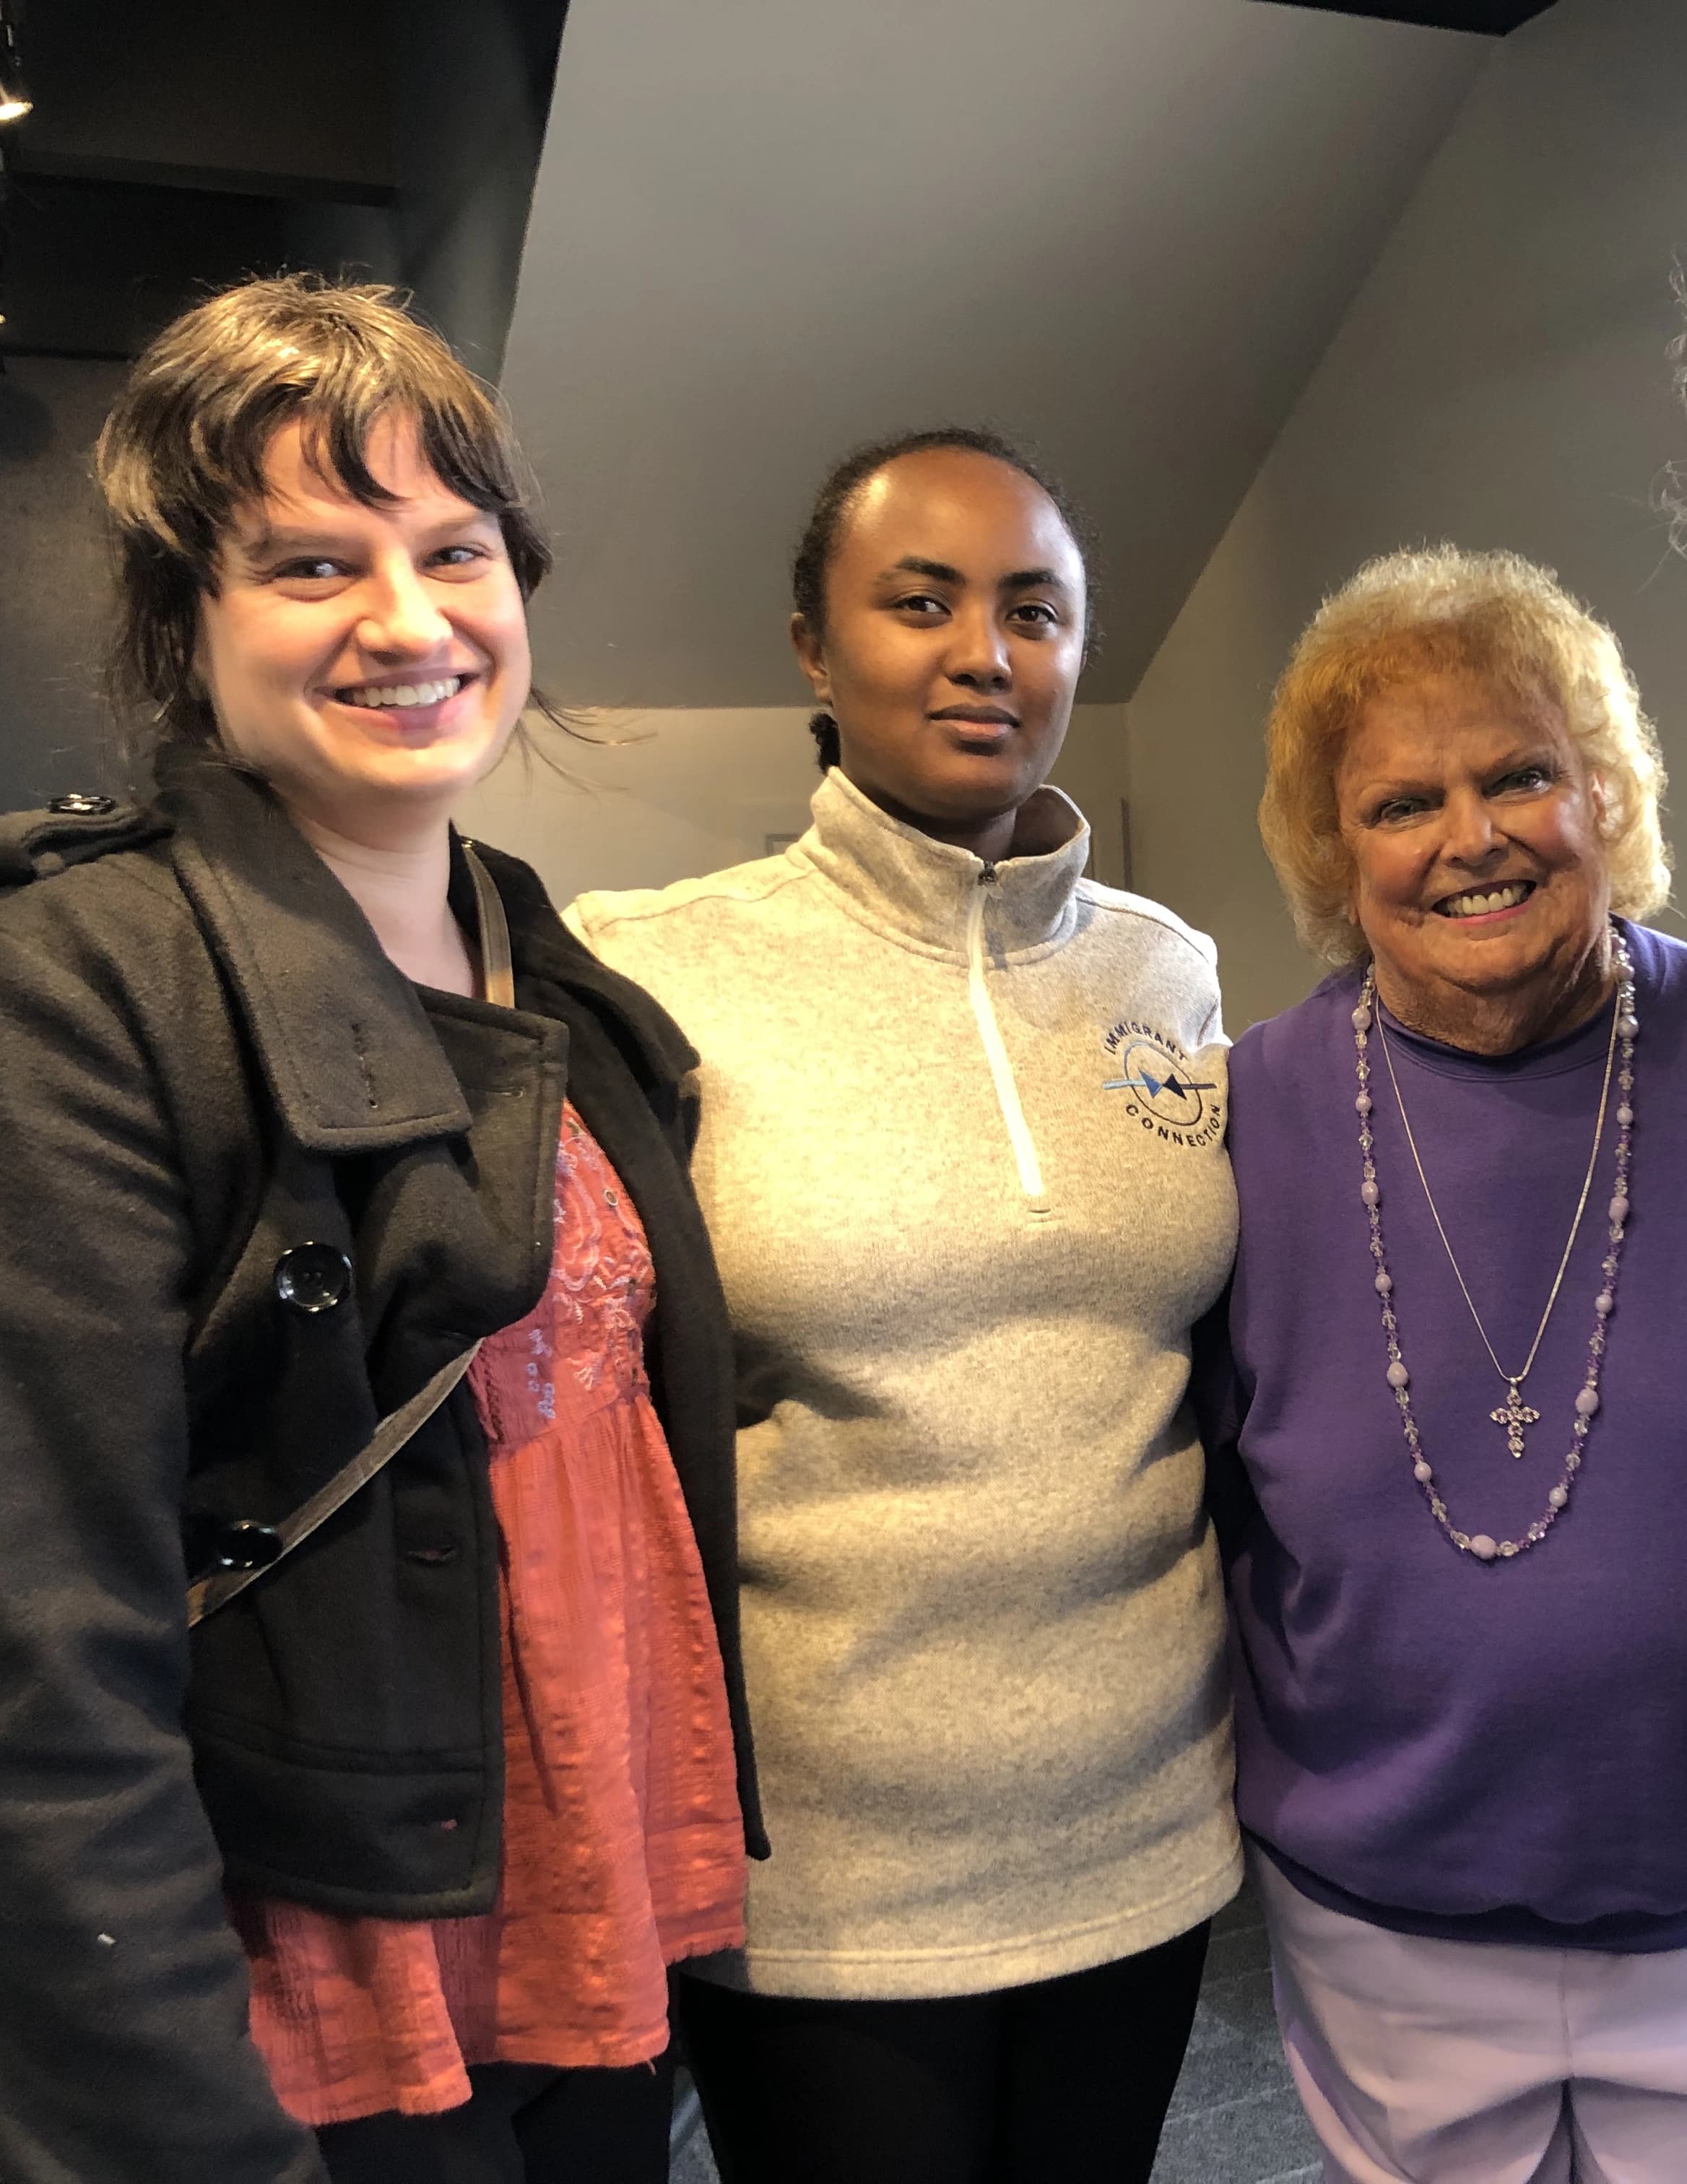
<point>362,1367</point>
<point>1455,1562</point>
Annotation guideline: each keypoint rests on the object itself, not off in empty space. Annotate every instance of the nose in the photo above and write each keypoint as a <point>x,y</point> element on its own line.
<point>979,657</point>
<point>1471,837</point>
<point>401,619</point>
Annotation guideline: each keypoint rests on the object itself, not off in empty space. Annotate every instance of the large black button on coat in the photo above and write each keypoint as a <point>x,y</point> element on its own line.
<point>313,1277</point>
<point>246,1545</point>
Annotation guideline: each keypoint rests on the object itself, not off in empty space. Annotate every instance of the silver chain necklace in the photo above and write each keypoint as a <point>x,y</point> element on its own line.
<point>1514,1414</point>
<point>1625,1027</point>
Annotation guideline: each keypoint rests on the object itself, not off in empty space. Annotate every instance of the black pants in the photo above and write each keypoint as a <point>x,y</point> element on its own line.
<point>524,2125</point>
<point>1066,2079</point>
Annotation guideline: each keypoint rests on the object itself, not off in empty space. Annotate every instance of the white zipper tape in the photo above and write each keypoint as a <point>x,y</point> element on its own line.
<point>1001,1069</point>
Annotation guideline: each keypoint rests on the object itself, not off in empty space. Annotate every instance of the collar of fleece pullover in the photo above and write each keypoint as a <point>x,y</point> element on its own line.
<point>917,892</point>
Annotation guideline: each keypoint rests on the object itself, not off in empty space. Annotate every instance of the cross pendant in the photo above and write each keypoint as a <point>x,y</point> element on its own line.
<point>1514,1414</point>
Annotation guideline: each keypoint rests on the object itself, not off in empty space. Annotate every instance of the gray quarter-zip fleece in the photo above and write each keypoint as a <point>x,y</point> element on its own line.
<point>962,1157</point>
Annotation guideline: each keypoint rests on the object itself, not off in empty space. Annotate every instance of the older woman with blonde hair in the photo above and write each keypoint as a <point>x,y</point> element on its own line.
<point>1441,1420</point>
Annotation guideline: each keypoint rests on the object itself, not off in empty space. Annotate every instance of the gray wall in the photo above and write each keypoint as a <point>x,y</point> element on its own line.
<point>667,794</point>
<point>53,581</point>
<point>1501,380</point>
<point>762,232</point>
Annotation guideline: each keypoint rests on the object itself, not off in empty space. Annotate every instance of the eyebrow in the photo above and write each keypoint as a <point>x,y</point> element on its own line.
<point>278,538</point>
<point>274,540</point>
<point>915,565</point>
<point>1526,753</point>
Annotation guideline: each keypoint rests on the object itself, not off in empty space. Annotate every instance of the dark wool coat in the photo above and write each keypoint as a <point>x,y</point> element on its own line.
<point>207,1061</point>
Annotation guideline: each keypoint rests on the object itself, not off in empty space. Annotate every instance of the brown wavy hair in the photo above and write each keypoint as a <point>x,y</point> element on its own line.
<point>185,445</point>
<point>1440,611</point>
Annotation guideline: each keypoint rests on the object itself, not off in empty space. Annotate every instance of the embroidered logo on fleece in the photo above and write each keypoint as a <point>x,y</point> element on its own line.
<point>1162,1092</point>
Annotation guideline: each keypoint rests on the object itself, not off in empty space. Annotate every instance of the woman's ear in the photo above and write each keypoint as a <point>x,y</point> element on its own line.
<point>1599,796</point>
<point>1349,908</point>
<point>195,685</point>
<point>811,653</point>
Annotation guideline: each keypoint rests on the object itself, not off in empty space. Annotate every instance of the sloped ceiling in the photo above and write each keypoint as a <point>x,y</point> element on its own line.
<point>1123,230</point>
<point>1493,19</point>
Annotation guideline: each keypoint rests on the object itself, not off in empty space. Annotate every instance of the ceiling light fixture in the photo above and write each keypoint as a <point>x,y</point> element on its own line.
<point>15,100</point>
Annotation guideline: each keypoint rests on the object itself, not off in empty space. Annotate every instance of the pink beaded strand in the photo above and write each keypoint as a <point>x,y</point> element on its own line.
<point>1482,1545</point>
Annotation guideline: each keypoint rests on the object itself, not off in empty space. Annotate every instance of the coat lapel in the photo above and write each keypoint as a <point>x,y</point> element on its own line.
<point>347,1075</point>
<point>546,951</point>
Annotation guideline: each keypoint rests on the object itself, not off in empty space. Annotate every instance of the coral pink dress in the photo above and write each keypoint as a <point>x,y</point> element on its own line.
<point>623,1848</point>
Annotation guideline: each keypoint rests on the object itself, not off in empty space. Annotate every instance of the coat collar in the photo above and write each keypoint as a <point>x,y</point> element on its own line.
<point>343,1037</point>
<point>341,1033</point>
<point>547,953</point>
<point>917,891</point>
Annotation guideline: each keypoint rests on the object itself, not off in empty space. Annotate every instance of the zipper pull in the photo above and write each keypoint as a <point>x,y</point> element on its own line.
<point>987,876</point>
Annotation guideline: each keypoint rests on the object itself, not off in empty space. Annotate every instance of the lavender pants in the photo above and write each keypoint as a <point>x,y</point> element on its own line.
<point>1471,2063</point>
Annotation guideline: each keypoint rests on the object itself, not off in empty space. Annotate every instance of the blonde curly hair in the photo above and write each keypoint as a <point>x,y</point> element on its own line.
<point>1440,611</point>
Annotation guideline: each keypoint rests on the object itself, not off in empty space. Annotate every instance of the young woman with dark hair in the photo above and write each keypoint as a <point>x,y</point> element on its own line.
<point>367,1588</point>
<point>962,1154</point>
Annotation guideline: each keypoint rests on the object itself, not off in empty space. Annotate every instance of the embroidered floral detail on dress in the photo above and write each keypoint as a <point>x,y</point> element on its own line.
<point>590,1321</point>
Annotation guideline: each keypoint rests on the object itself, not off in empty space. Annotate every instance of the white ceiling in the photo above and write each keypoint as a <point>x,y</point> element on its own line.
<point>765,229</point>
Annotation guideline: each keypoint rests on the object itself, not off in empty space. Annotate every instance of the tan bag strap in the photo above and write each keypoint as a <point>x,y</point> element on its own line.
<point>498,974</point>
<point>268,1543</point>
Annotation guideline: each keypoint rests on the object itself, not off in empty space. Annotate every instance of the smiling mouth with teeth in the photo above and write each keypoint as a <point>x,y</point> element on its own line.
<point>1482,902</point>
<point>400,695</point>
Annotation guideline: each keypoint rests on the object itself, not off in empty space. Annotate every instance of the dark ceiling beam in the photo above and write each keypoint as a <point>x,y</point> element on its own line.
<point>1489,18</point>
<point>185,144</point>
<point>174,174</point>
<point>471,96</point>
<point>472,92</point>
<point>195,94</point>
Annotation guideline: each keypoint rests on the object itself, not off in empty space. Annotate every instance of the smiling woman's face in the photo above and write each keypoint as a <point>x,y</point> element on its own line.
<point>1479,874</point>
<point>955,609</point>
<point>369,662</point>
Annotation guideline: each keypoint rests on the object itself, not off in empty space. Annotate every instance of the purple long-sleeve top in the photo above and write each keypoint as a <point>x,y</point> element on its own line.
<point>1488,1750</point>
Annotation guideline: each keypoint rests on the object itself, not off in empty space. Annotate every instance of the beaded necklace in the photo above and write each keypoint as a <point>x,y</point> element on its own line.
<point>1625,1028</point>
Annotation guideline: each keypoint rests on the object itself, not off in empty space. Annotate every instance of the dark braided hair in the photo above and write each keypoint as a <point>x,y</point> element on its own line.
<point>818,542</point>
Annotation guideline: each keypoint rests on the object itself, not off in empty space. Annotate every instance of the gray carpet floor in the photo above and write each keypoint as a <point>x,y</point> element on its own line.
<point>1234,2119</point>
